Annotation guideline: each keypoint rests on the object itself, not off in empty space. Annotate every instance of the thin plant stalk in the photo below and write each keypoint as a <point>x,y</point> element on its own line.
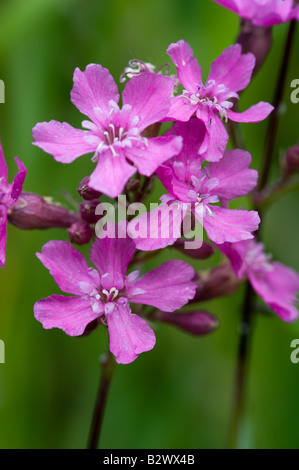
<point>246,327</point>
<point>107,369</point>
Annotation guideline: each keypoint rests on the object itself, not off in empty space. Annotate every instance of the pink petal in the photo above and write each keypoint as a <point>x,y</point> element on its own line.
<point>3,167</point>
<point>180,109</point>
<point>255,113</point>
<point>236,253</point>
<point>235,179</point>
<point>61,140</point>
<point>188,69</point>
<point>284,280</point>
<point>230,225</point>
<point>168,287</point>
<point>158,150</point>
<point>149,94</point>
<point>3,234</point>
<point>111,174</point>
<point>19,180</point>
<point>68,267</point>
<point>215,141</point>
<point>70,314</point>
<point>113,254</point>
<point>193,133</point>
<point>93,88</point>
<point>158,228</point>
<point>130,335</point>
<point>178,189</point>
<point>278,289</point>
<point>232,68</point>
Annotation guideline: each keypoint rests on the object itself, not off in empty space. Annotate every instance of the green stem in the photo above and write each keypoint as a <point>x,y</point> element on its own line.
<point>107,369</point>
<point>238,405</point>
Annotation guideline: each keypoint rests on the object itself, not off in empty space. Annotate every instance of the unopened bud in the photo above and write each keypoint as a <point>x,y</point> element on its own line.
<point>291,161</point>
<point>216,282</point>
<point>86,191</point>
<point>255,39</point>
<point>80,233</point>
<point>132,185</point>
<point>198,323</point>
<point>87,211</point>
<point>35,212</point>
<point>204,252</point>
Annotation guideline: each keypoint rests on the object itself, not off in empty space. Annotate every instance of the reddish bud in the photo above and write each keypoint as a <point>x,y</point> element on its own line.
<point>291,161</point>
<point>80,233</point>
<point>86,192</point>
<point>198,323</point>
<point>35,212</point>
<point>87,211</point>
<point>205,251</point>
<point>216,282</point>
<point>255,39</point>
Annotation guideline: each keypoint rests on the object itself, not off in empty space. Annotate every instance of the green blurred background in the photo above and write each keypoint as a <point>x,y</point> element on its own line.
<point>179,395</point>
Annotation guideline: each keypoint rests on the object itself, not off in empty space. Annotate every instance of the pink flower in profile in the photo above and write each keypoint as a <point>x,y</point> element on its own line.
<point>263,12</point>
<point>275,283</point>
<point>211,102</point>
<point>9,193</point>
<point>105,293</point>
<point>112,134</point>
<point>194,186</point>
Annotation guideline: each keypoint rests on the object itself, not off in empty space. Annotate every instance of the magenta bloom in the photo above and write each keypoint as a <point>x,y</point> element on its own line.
<point>211,102</point>
<point>105,293</point>
<point>114,135</point>
<point>263,12</point>
<point>275,283</point>
<point>9,193</point>
<point>192,186</point>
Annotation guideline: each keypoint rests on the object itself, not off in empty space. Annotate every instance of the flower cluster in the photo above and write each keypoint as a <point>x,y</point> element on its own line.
<point>200,176</point>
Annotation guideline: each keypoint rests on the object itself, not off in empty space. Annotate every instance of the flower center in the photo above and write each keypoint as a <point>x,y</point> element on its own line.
<point>212,96</point>
<point>120,132</point>
<point>257,259</point>
<point>110,295</point>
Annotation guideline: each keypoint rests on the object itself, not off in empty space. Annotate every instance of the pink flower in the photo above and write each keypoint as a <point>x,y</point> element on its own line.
<point>114,135</point>
<point>230,73</point>
<point>104,294</point>
<point>9,193</point>
<point>263,12</point>
<point>191,185</point>
<point>275,283</point>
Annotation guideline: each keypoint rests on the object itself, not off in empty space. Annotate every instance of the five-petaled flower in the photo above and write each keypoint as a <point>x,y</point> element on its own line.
<point>9,193</point>
<point>192,185</point>
<point>113,134</point>
<point>211,102</point>
<point>105,293</point>
<point>263,12</point>
<point>275,283</point>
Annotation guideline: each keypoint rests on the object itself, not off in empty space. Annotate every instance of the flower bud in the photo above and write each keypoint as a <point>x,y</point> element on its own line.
<point>80,233</point>
<point>291,161</point>
<point>204,252</point>
<point>198,323</point>
<point>87,211</point>
<point>255,39</point>
<point>86,192</point>
<point>216,282</point>
<point>35,212</point>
